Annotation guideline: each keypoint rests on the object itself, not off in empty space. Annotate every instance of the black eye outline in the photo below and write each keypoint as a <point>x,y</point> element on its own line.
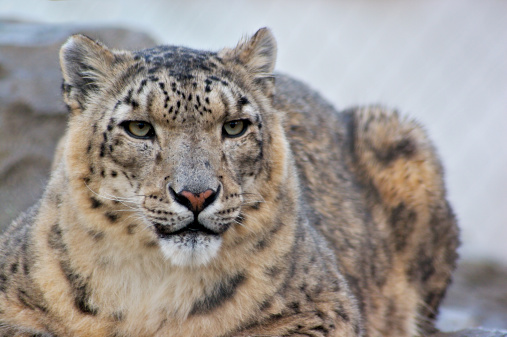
<point>244,122</point>
<point>149,135</point>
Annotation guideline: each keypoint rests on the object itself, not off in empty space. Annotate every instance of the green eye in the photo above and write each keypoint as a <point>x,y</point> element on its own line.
<point>138,129</point>
<point>235,128</point>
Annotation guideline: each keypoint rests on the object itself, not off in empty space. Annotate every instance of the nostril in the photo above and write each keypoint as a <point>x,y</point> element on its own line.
<point>211,198</point>
<point>195,202</point>
<point>180,199</point>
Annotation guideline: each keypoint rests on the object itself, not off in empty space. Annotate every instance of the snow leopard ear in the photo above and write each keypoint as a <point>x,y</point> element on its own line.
<point>86,67</point>
<point>257,53</point>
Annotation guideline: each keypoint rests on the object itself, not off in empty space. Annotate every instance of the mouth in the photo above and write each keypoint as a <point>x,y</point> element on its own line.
<point>194,228</point>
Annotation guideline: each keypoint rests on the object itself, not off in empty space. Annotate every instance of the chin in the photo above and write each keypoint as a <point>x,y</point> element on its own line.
<point>190,249</point>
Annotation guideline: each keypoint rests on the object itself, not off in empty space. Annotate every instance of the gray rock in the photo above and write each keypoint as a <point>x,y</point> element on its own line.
<point>476,298</point>
<point>473,333</point>
<point>32,115</point>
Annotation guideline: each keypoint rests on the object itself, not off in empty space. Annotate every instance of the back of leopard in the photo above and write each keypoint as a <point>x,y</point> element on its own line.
<point>197,194</point>
<point>393,233</point>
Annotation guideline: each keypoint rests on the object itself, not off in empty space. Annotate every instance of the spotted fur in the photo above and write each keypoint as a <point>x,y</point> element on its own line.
<point>304,222</point>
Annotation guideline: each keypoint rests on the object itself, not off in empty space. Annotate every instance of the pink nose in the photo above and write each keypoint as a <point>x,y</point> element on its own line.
<point>197,201</point>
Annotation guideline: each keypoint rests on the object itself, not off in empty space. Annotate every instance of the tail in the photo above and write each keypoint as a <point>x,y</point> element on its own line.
<point>394,158</point>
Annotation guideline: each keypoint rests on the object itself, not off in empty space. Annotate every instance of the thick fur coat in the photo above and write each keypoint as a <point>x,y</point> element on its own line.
<point>198,194</point>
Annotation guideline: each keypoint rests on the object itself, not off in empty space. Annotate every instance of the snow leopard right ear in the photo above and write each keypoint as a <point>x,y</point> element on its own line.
<point>86,67</point>
<point>257,54</point>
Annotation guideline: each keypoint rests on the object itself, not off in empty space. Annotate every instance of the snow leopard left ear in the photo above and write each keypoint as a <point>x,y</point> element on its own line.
<point>257,54</point>
<point>86,67</point>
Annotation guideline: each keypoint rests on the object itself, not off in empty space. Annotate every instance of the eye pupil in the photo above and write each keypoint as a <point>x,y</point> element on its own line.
<point>235,128</point>
<point>139,129</point>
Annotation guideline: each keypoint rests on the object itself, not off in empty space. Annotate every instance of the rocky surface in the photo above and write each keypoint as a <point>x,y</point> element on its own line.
<point>473,333</point>
<point>477,297</point>
<point>32,119</point>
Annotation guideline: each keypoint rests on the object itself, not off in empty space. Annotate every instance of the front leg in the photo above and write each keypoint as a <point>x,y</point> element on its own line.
<point>309,324</point>
<point>9,330</point>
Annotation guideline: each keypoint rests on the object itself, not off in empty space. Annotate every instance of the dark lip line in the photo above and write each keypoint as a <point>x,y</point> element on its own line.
<point>194,227</point>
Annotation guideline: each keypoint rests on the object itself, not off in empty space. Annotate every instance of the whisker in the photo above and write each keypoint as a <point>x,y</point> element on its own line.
<point>136,216</point>
<point>129,199</point>
<point>113,198</point>
<point>255,195</point>
<point>125,210</point>
<point>252,202</point>
<point>243,225</point>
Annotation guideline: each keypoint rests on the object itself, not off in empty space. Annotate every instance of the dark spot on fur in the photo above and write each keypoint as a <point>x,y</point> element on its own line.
<point>404,148</point>
<point>222,291</point>
<point>95,203</point>
<point>295,306</point>
<point>243,101</point>
<point>3,282</point>
<point>30,301</point>
<point>131,229</point>
<point>266,304</point>
<point>340,312</point>
<point>320,328</point>
<point>151,244</point>
<point>82,302</point>
<point>102,149</point>
<point>96,235</point>
<point>112,217</point>
<point>402,221</point>
<point>274,271</point>
<point>142,85</point>
<point>77,282</point>
<point>118,316</point>
<point>262,244</point>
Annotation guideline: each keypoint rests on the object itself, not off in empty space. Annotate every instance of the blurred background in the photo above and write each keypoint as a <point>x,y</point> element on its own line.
<point>443,62</point>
